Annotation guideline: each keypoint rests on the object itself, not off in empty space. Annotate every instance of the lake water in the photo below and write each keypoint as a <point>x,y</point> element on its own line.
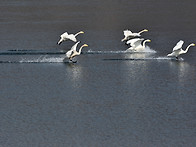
<point>109,97</point>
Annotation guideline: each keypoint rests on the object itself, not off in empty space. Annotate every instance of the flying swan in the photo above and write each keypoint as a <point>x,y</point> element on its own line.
<point>65,36</point>
<point>72,52</point>
<point>137,44</point>
<point>128,34</point>
<point>177,50</point>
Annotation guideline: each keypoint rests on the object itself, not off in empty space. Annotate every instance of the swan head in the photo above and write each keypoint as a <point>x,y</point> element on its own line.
<point>85,45</point>
<point>81,32</point>
<point>148,40</point>
<point>192,44</point>
<point>145,30</point>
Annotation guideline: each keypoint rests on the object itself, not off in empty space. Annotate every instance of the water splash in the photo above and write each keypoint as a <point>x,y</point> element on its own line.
<point>146,58</point>
<point>104,52</point>
<point>147,49</point>
<point>43,60</point>
<point>169,58</point>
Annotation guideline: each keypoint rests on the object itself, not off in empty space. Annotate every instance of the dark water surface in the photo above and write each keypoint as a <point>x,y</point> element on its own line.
<point>109,97</point>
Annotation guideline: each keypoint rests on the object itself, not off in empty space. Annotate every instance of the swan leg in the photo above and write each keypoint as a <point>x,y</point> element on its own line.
<point>123,39</point>
<point>58,43</point>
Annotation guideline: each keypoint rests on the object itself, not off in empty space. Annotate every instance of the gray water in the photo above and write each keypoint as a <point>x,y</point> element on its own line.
<point>109,97</point>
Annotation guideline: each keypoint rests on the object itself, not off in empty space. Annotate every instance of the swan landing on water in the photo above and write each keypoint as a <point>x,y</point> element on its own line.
<point>72,52</point>
<point>137,44</point>
<point>65,36</point>
<point>177,50</point>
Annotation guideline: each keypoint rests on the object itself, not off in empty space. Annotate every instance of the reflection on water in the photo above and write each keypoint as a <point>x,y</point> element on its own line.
<point>74,74</point>
<point>182,69</point>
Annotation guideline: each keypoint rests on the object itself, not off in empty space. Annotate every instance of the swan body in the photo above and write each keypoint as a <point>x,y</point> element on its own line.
<point>73,52</point>
<point>65,36</point>
<point>177,50</point>
<point>128,34</point>
<point>137,44</point>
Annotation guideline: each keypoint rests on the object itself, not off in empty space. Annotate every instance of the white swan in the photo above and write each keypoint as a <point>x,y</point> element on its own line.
<point>72,52</point>
<point>177,50</point>
<point>65,36</point>
<point>128,34</point>
<point>137,44</point>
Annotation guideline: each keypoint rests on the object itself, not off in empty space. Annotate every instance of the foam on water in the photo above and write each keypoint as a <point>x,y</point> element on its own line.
<point>104,52</point>
<point>147,49</point>
<point>51,52</point>
<point>169,58</point>
<point>61,59</point>
<point>148,58</point>
<point>43,60</point>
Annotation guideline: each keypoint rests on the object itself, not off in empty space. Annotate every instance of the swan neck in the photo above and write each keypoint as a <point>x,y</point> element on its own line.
<point>144,43</point>
<point>186,50</point>
<point>78,33</point>
<point>141,31</point>
<point>80,49</point>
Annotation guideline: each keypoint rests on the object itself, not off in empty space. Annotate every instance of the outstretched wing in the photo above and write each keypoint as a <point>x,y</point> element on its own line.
<point>135,42</point>
<point>72,37</point>
<point>178,45</point>
<point>73,48</point>
<point>64,35</point>
<point>69,53</point>
<point>127,33</point>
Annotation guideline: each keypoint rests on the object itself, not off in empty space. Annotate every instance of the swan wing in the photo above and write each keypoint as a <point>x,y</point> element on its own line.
<point>127,33</point>
<point>69,53</point>
<point>73,48</point>
<point>178,45</point>
<point>72,37</point>
<point>64,35</point>
<point>136,35</point>
<point>135,42</point>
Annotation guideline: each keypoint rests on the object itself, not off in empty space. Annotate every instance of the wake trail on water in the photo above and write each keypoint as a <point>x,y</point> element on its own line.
<point>31,52</point>
<point>104,52</point>
<point>43,60</point>
<point>143,59</point>
<point>54,52</point>
<point>38,60</point>
<point>61,60</point>
<point>133,55</point>
<point>146,50</point>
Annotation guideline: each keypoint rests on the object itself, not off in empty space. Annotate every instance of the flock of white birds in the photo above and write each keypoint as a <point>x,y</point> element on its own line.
<point>136,43</point>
